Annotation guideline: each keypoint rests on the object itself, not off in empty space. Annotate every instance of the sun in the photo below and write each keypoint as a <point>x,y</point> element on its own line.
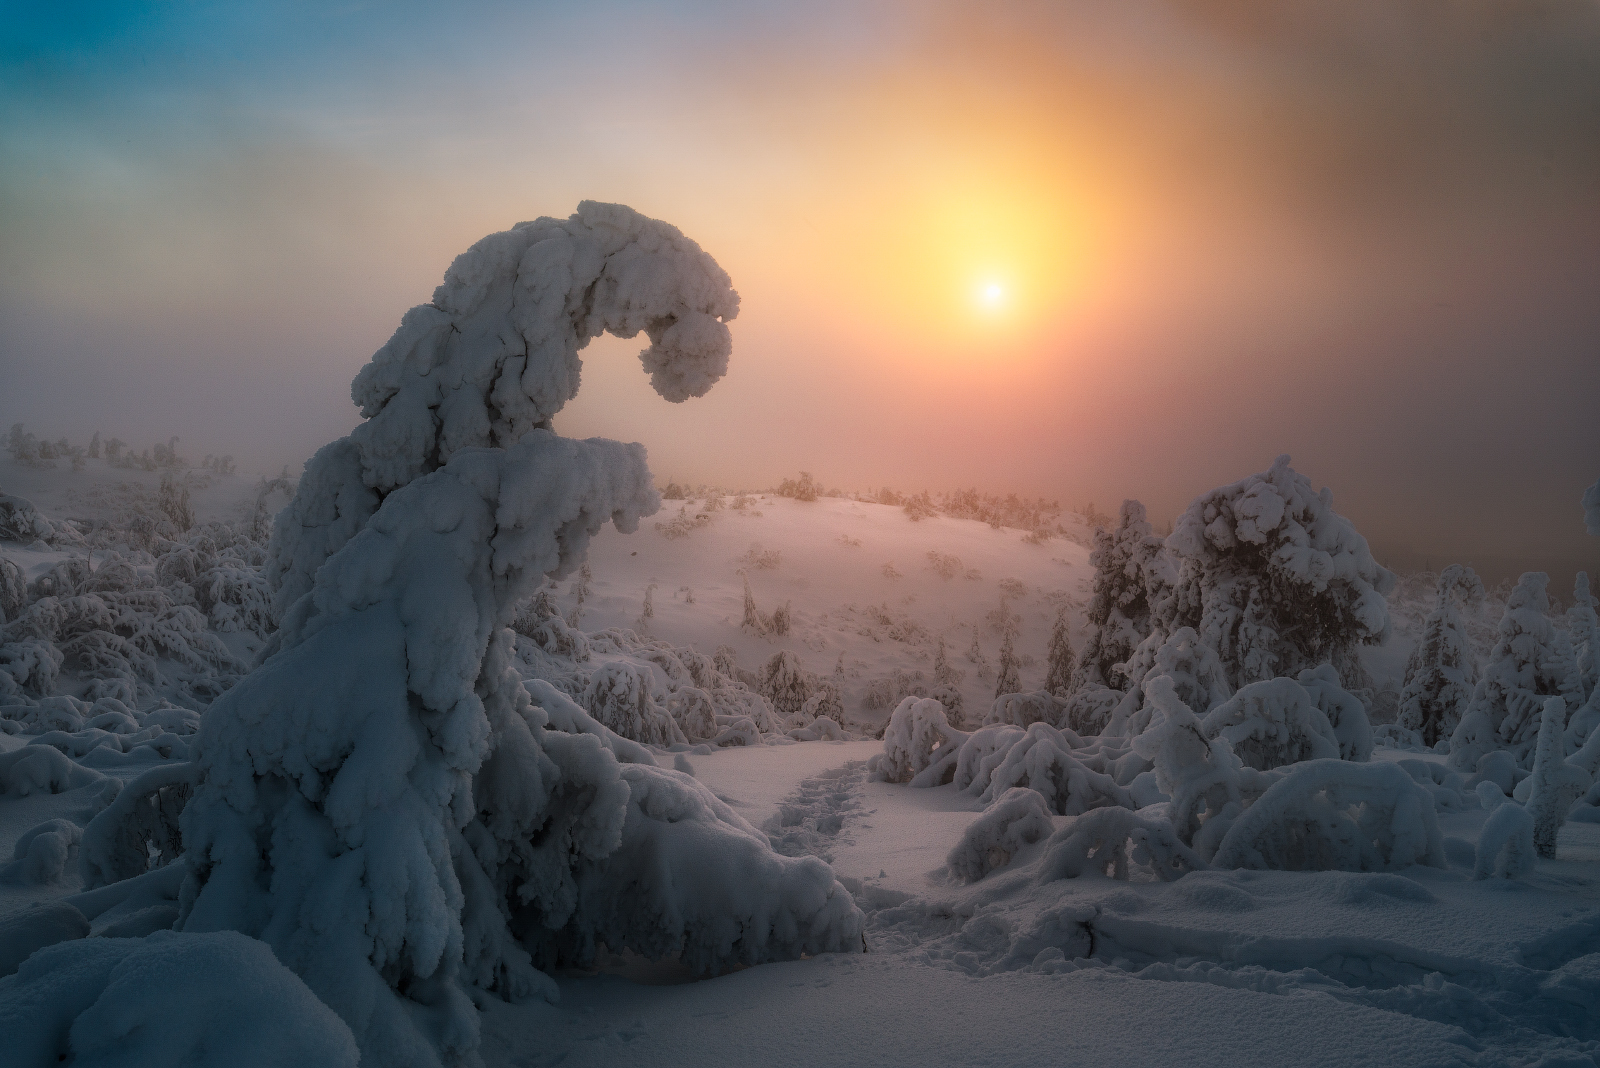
<point>992,295</point>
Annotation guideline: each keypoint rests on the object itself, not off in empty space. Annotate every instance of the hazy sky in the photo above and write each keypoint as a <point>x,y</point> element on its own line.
<point>1366,233</point>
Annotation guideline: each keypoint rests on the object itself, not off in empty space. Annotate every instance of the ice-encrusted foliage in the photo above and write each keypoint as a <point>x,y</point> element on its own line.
<point>1531,661</point>
<point>383,800</point>
<point>1119,612</point>
<point>1202,776</point>
<point>1275,580</point>
<point>1442,669</point>
<point>1043,759</point>
<point>495,355</point>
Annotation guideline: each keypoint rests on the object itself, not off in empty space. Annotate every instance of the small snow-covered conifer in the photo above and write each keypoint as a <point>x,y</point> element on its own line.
<point>1007,680</point>
<point>785,682</point>
<point>1531,661</point>
<point>94,446</point>
<point>1119,612</point>
<point>1442,670</point>
<point>1060,661</point>
<point>1275,580</point>
<point>1556,783</point>
<point>1584,629</point>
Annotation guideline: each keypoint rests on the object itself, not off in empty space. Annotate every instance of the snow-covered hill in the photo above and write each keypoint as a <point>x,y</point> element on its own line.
<point>863,582</point>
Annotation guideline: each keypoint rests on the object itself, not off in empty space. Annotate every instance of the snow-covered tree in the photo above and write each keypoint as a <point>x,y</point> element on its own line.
<point>1591,508</point>
<point>1442,670</point>
<point>1059,662</point>
<point>1555,783</point>
<point>494,355</point>
<point>1007,680</point>
<point>618,697</point>
<point>1584,630</point>
<point>1531,661</point>
<point>786,683</point>
<point>1275,580</point>
<point>1119,613</point>
<point>383,801</point>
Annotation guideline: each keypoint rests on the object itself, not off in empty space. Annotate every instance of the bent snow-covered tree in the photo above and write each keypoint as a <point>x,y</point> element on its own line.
<point>382,801</point>
<point>1276,581</point>
<point>495,355</point>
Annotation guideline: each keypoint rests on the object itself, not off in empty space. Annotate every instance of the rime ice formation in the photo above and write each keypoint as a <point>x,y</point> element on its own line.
<point>382,801</point>
<point>494,355</point>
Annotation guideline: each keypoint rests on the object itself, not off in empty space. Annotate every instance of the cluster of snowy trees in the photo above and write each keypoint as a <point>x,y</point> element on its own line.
<point>26,448</point>
<point>1219,712</point>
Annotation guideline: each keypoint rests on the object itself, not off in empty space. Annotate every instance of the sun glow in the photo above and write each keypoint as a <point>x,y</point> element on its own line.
<point>992,296</point>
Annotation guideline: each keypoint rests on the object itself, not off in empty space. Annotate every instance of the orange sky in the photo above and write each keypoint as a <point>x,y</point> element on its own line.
<point>1222,230</point>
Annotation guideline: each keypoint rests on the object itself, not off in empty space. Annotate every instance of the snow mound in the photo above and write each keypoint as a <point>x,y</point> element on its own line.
<point>112,1001</point>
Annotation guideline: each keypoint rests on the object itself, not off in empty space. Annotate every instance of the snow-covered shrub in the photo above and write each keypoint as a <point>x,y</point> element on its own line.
<point>42,854</point>
<point>1334,815</point>
<point>1273,723</point>
<point>1275,580</point>
<point>1531,661</point>
<point>1201,775</point>
<point>1505,845</point>
<point>1042,759</point>
<point>694,712</point>
<point>1026,709</point>
<point>1119,612</point>
<point>1194,668</point>
<point>42,769</point>
<point>1346,714</point>
<point>691,880</point>
<point>900,684</point>
<point>916,738</point>
<point>980,754</point>
<point>138,831</point>
<point>21,521</point>
<point>208,1000</point>
<point>1105,841</point>
<point>804,488</point>
<point>382,800</point>
<point>827,699</point>
<point>786,684</point>
<point>1442,669</point>
<point>1556,784</point>
<point>115,622</point>
<point>1088,711</point>
<point>618,697</point>
<point>1584,628</point>
<point>495,355</point>
<point>1018,818</point>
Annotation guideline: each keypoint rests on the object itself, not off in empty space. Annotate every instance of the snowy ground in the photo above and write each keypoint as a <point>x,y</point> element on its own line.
<point>1421,967</point>
<point>1418,967</point>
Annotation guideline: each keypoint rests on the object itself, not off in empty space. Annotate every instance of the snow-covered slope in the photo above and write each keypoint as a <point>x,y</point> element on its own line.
<point>863,582</point>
